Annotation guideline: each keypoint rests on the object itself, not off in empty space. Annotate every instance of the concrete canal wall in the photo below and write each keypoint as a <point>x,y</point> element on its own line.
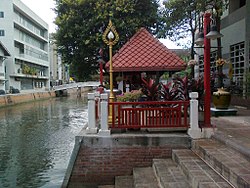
<point>97,160</point>
<point>77,91</point>
<point>12,99</point>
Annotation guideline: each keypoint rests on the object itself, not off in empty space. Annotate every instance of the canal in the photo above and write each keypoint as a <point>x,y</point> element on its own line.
<point>36,141</point>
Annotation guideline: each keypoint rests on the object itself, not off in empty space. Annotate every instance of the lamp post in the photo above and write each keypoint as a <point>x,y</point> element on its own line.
<point>110,37</point>
<point>101,65</point>
<point>207,87</point>
<point>204,38</point>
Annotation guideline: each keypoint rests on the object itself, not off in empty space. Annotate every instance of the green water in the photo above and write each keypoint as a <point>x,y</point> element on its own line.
<point>36,141</point>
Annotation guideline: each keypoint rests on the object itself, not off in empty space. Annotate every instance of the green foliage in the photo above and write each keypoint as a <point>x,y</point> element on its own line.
<point>179,88</point>
<point>179,18</point>
<point>82,22</point>
<point>132,96</point>
<point>150,88</point>
<point>29,70</point>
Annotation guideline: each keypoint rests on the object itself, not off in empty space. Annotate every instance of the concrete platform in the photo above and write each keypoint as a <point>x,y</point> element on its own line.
<point>223,112</point>
<point>234,131</point>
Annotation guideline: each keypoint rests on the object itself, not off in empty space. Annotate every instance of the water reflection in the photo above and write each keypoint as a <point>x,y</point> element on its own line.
<point>36,140</point>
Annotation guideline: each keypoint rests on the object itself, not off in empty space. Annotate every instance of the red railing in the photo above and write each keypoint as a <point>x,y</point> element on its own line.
<point>171,114</point>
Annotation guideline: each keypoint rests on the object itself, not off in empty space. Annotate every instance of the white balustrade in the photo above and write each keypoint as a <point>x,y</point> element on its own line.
<point>91,129</point>
<point>104,131</point>
<point>194,131</point>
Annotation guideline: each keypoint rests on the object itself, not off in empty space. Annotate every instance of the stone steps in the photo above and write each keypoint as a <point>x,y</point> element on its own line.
<point>144,178</point>
<point>169,174</point>
<point>184,170</point>
<point>210,163</point>
<point>124,182</point>
<point>228,162</point>
<point>198,173</point>
<point>106,186</point>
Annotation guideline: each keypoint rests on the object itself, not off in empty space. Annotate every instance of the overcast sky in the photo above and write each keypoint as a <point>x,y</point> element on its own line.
<point>43,8</point>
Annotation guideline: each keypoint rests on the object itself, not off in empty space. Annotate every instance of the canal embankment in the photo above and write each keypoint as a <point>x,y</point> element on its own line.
<point>96,160</point>
<point>12,99</point>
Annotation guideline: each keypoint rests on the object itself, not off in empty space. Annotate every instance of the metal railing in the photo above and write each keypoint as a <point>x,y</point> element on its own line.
<point>169,114</point>
<point>77,84</point>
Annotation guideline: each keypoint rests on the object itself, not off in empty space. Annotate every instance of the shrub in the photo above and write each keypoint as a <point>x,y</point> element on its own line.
<point>132,96</point>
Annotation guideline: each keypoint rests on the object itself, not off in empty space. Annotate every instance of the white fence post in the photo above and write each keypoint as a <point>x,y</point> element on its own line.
<point>98,105</point>
<point>104,131</point>
<point>194,131</point>
<point>91,129</point>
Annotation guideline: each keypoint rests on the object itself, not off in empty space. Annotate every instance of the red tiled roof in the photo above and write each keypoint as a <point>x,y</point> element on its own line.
<point>143,52</point>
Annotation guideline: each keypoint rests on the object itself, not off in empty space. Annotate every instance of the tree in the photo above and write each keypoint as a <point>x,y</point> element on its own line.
<point>82,22</point>
<point>179,19</point>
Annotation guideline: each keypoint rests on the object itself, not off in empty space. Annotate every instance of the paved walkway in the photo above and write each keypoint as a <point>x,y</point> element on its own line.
<point>235,130</point>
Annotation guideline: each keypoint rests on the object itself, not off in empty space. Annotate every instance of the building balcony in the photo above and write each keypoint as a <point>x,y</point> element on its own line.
<point>30,32</point>
<point>20,75</point>
<point>32,59</point>
<point>2,77</point>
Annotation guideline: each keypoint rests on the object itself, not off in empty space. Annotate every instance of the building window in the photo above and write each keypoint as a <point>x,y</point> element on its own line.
<point>1,32</point>
<point>242,3</point>
<point>213,57</point>
<point>1,14</point>
<point>237,58</point>
<point>236,4</point>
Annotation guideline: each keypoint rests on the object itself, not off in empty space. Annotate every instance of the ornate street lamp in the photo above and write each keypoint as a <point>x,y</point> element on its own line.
<point>110,37</point>
<point>207,85</point>
<point>208,34</point>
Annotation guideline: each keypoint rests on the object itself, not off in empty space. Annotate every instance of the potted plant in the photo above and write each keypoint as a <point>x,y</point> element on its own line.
<point>221,98</point>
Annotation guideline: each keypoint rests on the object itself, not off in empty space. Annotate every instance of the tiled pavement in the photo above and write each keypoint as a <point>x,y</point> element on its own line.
<point>234,130</point>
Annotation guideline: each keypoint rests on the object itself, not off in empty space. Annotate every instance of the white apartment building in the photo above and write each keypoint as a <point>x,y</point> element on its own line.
<point>235,25</point>
<point>26,37</point>
<point>59,71</point>
<point>4,53</point>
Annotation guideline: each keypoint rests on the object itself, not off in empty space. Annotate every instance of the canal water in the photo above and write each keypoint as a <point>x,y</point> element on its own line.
<point>36,141</point>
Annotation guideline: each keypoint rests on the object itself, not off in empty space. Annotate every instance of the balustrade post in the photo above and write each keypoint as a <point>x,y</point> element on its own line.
<point>104,131</point>
<point>91,129</point>
<point>78,91</point>
<point>97,103</point>
<point>194,131</point>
